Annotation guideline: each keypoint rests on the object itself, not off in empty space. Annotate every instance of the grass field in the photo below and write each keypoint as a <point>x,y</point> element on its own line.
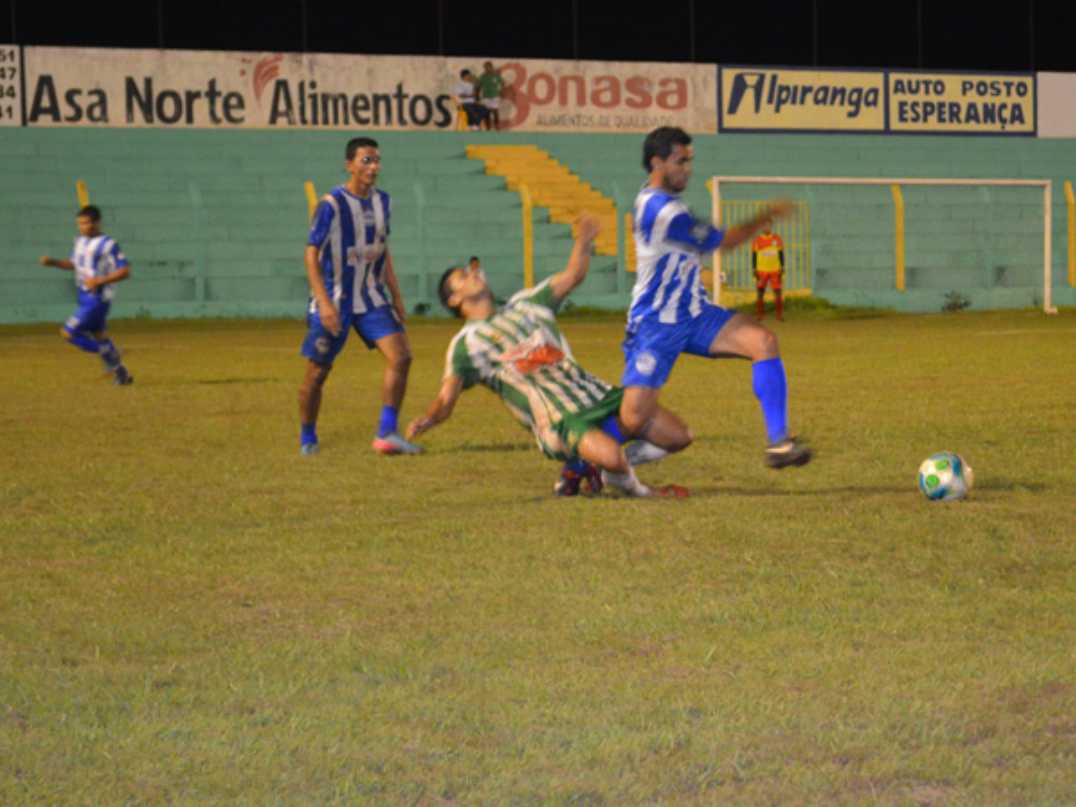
<point>192,613</point>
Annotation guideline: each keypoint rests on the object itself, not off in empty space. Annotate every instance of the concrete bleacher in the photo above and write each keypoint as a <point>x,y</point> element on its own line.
<point>214,223</point>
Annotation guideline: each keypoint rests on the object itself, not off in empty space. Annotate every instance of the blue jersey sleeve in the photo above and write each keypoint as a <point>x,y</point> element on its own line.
<point>699,234</point>
<point>319,228</point>
<point>118,256</point>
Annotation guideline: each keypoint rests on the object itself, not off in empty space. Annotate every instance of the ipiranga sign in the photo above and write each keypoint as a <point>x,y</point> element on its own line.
<point>221,90</point>
<point>759,99</point>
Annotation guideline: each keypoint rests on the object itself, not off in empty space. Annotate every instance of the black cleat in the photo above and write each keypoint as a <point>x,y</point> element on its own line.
<point>789,451</point>
<point>571,482</point>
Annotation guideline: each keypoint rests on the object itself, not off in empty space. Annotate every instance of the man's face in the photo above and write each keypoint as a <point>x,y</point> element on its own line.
<point>365,165</point>
<point>468,283</point>
<point>488,67</point>
<point>675,170</point>
<point>86,226</point>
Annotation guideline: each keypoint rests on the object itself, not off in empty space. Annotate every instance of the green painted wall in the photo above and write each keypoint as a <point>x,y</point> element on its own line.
<point>214,222</point>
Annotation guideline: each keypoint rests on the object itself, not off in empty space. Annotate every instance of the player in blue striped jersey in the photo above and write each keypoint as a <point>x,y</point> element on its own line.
<point>670,313</point>
<point>98,264</point>
<point>353,285</point>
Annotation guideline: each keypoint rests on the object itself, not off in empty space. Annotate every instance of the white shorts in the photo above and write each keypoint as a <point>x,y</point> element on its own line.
<point>491,103</point>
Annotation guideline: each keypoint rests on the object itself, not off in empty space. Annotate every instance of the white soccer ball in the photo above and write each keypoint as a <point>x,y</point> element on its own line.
<point>945,476</point>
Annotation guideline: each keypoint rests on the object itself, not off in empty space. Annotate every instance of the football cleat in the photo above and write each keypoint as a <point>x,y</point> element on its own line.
<point>122,377</point>
<point>392,444</point>
<point>309,449</point>
<point>571,482</point>
<point>789,451</point>
<point>670,492</point>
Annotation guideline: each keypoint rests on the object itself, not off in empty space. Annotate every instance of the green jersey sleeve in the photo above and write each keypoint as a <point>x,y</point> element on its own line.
<point>459,361</point>
<point>542,295</point>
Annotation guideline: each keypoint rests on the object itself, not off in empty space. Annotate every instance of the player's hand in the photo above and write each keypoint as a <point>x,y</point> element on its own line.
<point>417,427</point>
<point>330,318</point>
<point>91,283</point>
<point>45,260</point>
<point>587,227</point>
<point>401,313</point>
<point>779,209</point>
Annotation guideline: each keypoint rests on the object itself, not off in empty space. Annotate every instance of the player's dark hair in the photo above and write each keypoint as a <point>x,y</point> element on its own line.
<point>92,212</point>
<point>660,142</point>
<point>356,143</point>
<point>472,258</point>
<point>445,293</point>
<point>464,73</point>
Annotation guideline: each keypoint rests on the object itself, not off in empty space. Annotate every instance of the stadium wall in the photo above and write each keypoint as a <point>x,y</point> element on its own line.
<point>214,222</point>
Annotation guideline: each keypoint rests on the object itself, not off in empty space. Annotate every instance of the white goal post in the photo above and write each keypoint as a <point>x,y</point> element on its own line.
<point>1045,184</point>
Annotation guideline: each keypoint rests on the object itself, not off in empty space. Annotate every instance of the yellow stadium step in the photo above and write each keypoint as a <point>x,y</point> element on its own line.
<point>551,185</point>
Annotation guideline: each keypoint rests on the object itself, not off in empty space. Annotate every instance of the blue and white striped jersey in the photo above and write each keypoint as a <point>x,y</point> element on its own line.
<point>669,244</point>
<point>96,256</point>
<point>352,236</point>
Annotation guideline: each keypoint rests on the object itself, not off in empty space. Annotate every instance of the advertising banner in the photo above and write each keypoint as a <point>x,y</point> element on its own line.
<point>755,99</point>
<point>1057,104</point>
<point>220,90</point>
<point>962,103</point>
<point>770,99</point>
<point>10,86</point>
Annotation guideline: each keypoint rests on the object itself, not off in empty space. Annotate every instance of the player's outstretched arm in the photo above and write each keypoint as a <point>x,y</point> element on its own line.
<point>738,234</point>
<point>59,263</point>
<point>587,228</point>
<point>441,408</point>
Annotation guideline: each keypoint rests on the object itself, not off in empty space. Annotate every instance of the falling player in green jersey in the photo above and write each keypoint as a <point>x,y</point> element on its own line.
<point>519,352</point>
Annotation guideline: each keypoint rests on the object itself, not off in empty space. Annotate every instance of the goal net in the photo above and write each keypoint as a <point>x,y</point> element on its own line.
<point>907,243</point>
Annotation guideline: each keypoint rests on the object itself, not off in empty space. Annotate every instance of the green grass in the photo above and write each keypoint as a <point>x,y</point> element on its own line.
<point>191,613</point>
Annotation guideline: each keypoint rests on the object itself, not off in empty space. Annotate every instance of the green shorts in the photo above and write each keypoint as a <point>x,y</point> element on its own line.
<point>570,429</point>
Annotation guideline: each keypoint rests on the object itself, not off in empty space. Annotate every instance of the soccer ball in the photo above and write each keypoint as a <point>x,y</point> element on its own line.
<point>945,476</point>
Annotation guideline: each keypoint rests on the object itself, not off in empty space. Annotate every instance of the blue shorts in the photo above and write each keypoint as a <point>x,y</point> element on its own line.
<point>652,348</point>
<point>91,316</point>
<point>321,347</point>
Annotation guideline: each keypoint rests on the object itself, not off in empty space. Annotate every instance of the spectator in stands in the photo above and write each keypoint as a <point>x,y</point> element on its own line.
<point>465,91</point>
<point>490,86</point>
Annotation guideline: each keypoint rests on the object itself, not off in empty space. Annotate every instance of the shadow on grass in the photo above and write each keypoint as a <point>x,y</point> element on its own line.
<point>235,380</point>
<point>494,447</point>
<point>1009,485</point>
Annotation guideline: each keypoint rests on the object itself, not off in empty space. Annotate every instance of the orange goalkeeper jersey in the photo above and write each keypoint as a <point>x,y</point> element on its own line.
<point>767,252</point>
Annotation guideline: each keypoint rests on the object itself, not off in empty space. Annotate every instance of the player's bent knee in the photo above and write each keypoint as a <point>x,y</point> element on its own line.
<point>766,344</point>
<point>686,438</point>
<point>402,361</point>
<point>319,375</point>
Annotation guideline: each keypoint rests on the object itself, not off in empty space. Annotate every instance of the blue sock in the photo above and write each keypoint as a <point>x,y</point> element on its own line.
<point>387,425</point>
<point>771,389</point>
<point>578,465</point>
<point>83,342</point>
<point>612,428</point>
<point>109,355</point>
<point>308,434</point>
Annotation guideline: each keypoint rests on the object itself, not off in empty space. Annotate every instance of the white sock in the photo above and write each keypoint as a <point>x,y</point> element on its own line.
<point>627,483</point>
<point>640,452</point>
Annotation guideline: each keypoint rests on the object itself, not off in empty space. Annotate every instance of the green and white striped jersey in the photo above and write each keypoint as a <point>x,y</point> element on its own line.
<point>521,355</point>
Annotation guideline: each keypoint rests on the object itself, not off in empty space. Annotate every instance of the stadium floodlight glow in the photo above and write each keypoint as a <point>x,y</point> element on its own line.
<point>1045,184</point>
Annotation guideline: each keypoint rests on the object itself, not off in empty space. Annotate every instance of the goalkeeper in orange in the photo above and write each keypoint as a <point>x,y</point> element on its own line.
<point>768,264</point>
